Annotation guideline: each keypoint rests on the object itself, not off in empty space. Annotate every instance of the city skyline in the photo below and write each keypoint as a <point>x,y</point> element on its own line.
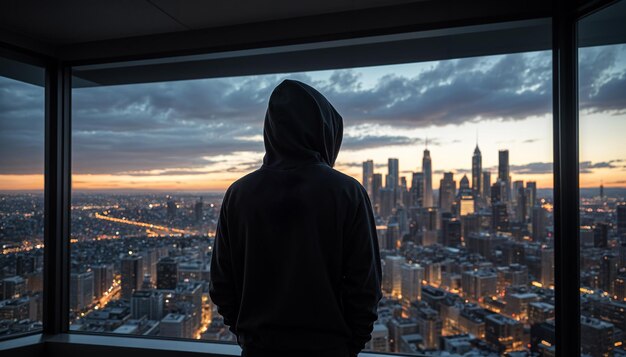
<point>203,134</point>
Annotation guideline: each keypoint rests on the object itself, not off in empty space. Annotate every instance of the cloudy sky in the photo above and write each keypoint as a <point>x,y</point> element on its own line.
<point>203,134</point>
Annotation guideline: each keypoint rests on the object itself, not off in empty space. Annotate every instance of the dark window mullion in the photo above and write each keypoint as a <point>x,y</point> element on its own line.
<point>57,198</point>
<point>566,180</point>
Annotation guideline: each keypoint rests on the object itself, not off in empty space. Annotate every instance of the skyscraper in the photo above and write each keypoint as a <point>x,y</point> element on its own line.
<point>621,220</point>
<point>503,172</point>
<point>132,275</point>
<point>392,276</point>
<point>531,195</point>
<point>377,184</point>
<point>447,192</point>
<point>147,303</point>
<point>486,186</point>
<point>393,177</point>
<point>427,169</point>
<point>171,208</point>
<point>417,189</point>
<point>198,210</point>
<point>412,276</point>
<point>547,267</point>
<point>167,273</point>
<point>477,167</point>
<point>368,175</point>
<point>81,290</point>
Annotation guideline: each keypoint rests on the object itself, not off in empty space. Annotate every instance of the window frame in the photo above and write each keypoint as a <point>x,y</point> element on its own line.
<point>57,193</point>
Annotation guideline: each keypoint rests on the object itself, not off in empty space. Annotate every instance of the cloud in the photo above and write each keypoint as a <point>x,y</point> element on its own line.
<point>175,126</point>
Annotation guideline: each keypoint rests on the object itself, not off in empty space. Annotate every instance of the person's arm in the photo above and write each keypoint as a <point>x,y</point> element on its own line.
<point>362,275</point>
<point>222,285</point>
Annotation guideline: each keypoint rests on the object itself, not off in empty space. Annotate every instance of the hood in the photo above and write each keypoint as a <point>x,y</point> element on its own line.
<point>301,127</point>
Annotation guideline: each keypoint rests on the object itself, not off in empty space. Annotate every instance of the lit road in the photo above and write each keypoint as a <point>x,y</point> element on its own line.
<point>144,225</point>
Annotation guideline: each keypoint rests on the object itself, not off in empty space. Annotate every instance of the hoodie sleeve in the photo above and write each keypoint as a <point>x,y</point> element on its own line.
<point>222,284</point>
<point>361,275</point>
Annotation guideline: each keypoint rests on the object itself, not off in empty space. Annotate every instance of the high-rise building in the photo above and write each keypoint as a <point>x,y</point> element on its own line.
<point>521,210</point>
<point>429,326</point>
<point>600,235</point>
<point>479,284</point>
<point>417,189</point>
<point>147,303</point>
<point>172,208</point>
<point>380,339</point>
<point>609,268</point>
<point>499,217</point>
<point>547,267</point>
<point>596,337</point>
<point>620,211</point>
<point>447,192</point>
<point>167,273</point>
<point>102,279</point>
<point>412,276</point>
<point>504,173</point>
<point>368,175</point>
<point>427,169</point>
<point>377,184</point>
<point>477,168</point>
<point>539,223</point>
<point>450,231</point>
<point>386,202</point>
<point>487,186</point>
<point>465,198</point>
<point>429,221</point>
<point>392,235</point>
<point>81,290</point>
<point>132,274</point>
<point>504,333</point>
<point>392,275</point>
<point>176,326</point>
<point>198,210</point>
<point>393,177</point>
<point>531,194</point>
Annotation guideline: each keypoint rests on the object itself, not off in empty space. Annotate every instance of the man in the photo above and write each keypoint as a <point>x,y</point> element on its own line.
<point>296,267</point>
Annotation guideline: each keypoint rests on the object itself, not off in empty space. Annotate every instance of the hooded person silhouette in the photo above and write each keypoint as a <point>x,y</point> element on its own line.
<point>295,269</point>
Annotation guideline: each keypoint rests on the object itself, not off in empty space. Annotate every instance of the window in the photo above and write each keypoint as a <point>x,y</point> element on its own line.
<point>456,156</point>
<point>602,124</point>
<point>21,197</point>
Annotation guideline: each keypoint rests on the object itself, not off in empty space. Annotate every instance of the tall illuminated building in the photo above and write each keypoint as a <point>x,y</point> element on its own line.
<point>368,175</point>
<point>547,267</point>
<point>81,290</point>
<point>465,198</point>
<point>132,274</point>
<point>427,169</point>
<point>392,275</point>
<point>447,191</point>
<point>477,167</point>
<point>503,172</point>
<point>411,287</point>
<point>531,194</point>
<point>102,279</point>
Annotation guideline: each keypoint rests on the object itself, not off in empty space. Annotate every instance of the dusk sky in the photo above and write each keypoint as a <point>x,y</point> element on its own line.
<point>203,134</point>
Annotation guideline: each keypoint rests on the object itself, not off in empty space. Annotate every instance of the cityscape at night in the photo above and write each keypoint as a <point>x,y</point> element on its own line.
<point>462,196</point>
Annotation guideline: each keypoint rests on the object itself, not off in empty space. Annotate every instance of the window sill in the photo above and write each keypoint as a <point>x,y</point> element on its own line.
<point>93,345</point>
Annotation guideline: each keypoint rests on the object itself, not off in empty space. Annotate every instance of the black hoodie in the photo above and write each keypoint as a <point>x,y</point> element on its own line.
<point>295,261</point>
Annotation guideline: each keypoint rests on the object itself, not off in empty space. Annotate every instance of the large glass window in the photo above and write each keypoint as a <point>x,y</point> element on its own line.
<point>21,197</point>
<point>456,156</point>
<point>602,125</point>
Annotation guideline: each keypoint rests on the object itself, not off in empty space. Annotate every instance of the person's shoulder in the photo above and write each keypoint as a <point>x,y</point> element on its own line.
<point>347,182</point>
<point>243,181</point>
